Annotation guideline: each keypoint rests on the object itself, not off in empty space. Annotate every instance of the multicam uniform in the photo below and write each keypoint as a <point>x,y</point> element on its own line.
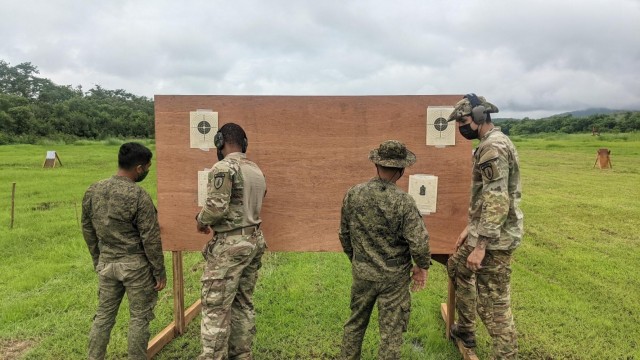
<point>120,227</point>
<point>235,190</point>
<point>494,213</point>
<point>381,229</point>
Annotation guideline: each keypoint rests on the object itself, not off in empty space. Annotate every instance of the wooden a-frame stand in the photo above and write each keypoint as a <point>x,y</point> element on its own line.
<point>448,312</point>
<point>180,317</point>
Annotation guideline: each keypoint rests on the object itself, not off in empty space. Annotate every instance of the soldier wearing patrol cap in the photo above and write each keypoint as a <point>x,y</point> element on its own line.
<point>481,267</point>
<point>381,231</point>
<point>233,256</point>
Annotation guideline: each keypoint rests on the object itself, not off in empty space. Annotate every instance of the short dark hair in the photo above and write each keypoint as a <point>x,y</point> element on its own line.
<point>233,133</point>
<point>132,154</point>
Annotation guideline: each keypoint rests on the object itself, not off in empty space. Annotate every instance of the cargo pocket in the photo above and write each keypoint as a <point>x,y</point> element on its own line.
<point>241,251</point>
<point>100,267</point>
<point>213,287</point>
<point>451,268</point>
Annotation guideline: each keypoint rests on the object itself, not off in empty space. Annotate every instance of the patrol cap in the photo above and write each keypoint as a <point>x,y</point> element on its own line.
<point>392,153</point>
<point>463,108</point>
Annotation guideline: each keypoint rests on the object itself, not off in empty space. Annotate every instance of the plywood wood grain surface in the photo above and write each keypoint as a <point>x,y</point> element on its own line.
<point>312,149</point>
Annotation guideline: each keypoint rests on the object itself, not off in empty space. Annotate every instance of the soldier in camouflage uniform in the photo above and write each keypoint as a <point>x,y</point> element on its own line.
<point>381,230</point>
<point>481,266</point>
<point>235,190</point>
<point>120,227</point>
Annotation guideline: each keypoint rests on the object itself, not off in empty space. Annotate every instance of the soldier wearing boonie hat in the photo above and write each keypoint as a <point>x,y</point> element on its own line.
<point>392,153</point>
<point>382,231</point>
<point>481,267</point>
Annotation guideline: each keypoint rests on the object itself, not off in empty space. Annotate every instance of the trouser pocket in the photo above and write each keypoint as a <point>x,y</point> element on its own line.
<point>213,288</point>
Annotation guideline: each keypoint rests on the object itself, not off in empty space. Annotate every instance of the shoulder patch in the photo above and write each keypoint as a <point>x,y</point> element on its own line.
<point>218,179</point>
<point>489,170</point>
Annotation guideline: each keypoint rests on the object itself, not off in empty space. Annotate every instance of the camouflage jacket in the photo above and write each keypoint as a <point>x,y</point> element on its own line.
<point>119,223</point>
<point>494,210</point>
<point>381,230</point>
<point>235,190</point>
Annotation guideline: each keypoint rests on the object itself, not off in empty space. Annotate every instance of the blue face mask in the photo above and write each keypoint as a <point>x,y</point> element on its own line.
<point>468,132</point>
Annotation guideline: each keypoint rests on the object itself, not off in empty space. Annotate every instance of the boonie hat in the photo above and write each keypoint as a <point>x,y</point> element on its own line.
<point>392,153</point>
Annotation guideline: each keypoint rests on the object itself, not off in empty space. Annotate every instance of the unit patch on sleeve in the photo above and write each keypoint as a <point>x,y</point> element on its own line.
<point>218,180</point>
<point>489,170</point>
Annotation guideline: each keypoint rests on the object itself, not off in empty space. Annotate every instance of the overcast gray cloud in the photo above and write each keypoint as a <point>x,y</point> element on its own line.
<point>530,57</point>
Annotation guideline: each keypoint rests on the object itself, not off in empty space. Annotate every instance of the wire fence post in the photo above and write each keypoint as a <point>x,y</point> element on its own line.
<point>13,203</point>
<point>75,207</point>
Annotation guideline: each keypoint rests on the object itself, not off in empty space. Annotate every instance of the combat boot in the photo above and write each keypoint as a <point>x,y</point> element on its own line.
<point>468,338</point>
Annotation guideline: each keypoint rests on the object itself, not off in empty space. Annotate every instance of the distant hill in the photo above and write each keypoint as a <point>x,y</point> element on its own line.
<point>591,111</point>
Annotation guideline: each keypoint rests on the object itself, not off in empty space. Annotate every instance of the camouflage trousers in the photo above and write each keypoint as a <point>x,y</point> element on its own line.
<point>489,291</point>
<point>394,309</point>
<point>230,275</point>
<point>115,279</point>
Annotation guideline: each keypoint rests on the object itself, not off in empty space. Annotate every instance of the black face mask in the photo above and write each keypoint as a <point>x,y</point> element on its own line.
<point>219,153</point>
<point>467,132</point>
<point>142,176</point>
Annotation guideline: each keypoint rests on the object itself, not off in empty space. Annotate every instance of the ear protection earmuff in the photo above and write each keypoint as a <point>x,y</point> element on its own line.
<point>478,111</point>
<point>218,141</point>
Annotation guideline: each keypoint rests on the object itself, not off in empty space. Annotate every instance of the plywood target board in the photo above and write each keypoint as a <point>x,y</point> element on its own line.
<point>312,149</point>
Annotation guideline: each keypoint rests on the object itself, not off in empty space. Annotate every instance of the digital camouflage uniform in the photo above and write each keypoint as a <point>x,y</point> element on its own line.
<point>381,230</point>
<point>235,189</point>
<point>494,213</point>
<point>120,227</point>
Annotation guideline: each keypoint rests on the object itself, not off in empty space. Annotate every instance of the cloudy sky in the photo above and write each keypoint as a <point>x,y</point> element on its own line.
<point>530,57</point>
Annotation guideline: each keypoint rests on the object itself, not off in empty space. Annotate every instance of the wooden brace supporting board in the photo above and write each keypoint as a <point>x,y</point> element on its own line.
<point>312,149</point>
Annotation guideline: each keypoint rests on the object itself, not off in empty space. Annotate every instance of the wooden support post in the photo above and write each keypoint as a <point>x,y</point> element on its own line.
<point>451,306</point>
<point>178,292</point>
<point>448,312</point>
<point>181,317</point>
<point>160,340</point>
<point>13,203</point>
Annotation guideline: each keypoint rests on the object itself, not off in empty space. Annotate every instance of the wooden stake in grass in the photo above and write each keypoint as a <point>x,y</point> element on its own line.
<point>13,203</point>
<point>75,207</point>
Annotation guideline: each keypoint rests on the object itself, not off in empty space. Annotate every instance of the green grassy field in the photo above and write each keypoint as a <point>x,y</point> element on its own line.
<point>576,287</point>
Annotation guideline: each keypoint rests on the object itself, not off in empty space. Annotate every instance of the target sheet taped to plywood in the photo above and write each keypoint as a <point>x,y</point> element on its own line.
<point>439,131</point>
<point>204,126</point>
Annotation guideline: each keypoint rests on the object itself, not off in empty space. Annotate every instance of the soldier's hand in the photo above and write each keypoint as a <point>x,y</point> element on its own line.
<point>462,237</point>
<point>475,259</point>
<point>160,284</point>
<point>419,277</point>
<point>203,229</point>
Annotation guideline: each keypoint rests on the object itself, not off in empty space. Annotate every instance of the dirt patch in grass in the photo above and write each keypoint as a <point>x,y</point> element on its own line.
<point>14,349</point>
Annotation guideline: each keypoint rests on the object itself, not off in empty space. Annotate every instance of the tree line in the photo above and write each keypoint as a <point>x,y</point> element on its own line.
<point>623,121</point>
<point>32,108</point>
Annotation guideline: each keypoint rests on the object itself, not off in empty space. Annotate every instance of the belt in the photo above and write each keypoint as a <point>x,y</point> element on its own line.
<point>389,262</point>
<point>397,261</point>
<point>248,230</point>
